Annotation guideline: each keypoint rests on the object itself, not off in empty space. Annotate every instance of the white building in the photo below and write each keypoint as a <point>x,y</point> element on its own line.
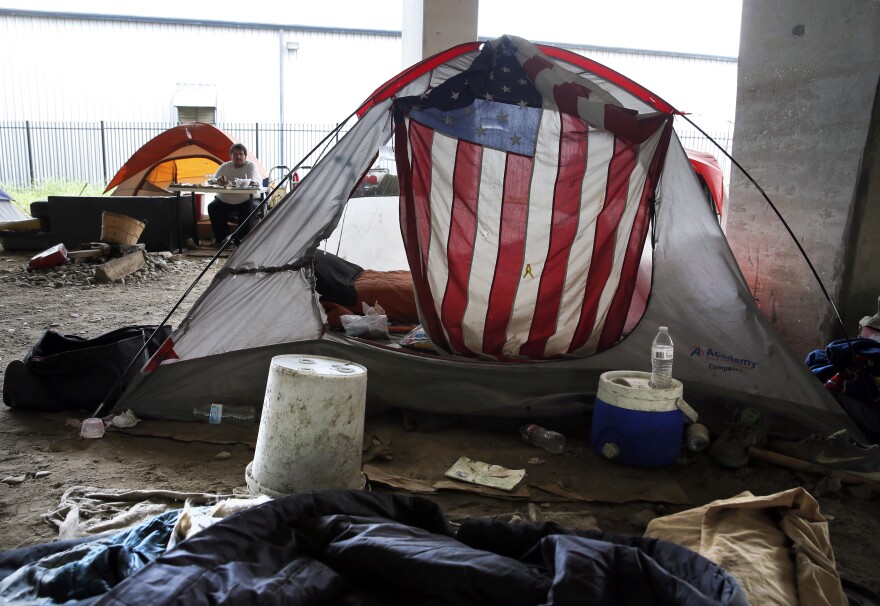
<point>90,68</point>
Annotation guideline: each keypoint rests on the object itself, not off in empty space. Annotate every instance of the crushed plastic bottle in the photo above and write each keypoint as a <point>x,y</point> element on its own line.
<point>661,360</point>
<point>536,435</point>
<point>224,413</point>
<point>697,437</point>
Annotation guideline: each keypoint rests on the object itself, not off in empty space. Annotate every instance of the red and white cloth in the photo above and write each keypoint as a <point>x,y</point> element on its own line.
<point>525,202</point>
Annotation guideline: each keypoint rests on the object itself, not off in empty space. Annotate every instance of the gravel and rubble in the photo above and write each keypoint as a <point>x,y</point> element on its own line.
<point>82,275</point>
<point>69,300</point>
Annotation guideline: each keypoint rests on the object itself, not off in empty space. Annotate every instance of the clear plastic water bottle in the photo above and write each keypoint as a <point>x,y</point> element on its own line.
<point>536,435</point>
<point>661,360</point>
<point>220,413</point>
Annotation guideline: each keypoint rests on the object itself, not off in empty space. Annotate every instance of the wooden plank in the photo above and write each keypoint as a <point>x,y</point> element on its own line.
<point>20,225</point>
<point>851,477</point>
<point>92,253</point>
<point>119,268</point>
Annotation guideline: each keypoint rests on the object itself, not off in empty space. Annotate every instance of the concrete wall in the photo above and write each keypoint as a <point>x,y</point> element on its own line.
<point>860,289</point>
<point>807,86</point>
<point>432,26</point>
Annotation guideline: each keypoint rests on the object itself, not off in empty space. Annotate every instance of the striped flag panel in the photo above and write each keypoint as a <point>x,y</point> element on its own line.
<point>523,212</point>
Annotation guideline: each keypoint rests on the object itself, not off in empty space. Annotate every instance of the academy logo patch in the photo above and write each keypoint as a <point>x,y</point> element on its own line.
<point>721,361</point>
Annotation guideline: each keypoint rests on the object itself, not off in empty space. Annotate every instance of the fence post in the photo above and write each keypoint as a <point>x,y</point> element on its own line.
<point>30,149</point>
<point>104,152</point>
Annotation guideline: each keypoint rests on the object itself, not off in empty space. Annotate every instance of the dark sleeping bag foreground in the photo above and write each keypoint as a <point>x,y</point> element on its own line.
<point>351,547</point>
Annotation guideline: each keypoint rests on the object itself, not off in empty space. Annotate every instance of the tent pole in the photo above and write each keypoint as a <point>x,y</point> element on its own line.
<point>223,246</point>
<point>784,224</point>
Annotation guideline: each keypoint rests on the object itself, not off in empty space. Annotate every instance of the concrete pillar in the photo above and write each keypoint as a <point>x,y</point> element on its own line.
<point>807,130</point>
<point>431,26</point>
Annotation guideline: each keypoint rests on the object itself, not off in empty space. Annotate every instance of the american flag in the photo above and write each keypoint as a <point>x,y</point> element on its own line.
<point>525,196</point>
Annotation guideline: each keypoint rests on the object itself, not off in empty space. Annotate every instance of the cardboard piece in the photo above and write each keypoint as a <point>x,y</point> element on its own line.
<point>485,474</point>
<point>653,491</point>
<point>379,476</point>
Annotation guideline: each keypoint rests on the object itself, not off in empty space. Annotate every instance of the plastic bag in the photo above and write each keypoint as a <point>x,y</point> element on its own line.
<point>417,338</point>
<point>376,310</point>
<point>369,327</point>
<point>373,326</point>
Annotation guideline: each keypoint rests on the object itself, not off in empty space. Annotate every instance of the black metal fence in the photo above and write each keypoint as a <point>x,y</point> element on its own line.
<point>694,139</point>
<point>92,152</point>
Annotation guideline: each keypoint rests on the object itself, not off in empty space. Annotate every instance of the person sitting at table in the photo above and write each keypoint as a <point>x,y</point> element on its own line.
<point>239,205</point>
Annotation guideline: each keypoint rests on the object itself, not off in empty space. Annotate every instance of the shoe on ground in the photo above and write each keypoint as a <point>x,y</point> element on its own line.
<point>749,428</point>
<point>836,451</point>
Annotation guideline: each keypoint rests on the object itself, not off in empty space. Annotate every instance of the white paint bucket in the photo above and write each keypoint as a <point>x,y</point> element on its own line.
<point>312,427</point>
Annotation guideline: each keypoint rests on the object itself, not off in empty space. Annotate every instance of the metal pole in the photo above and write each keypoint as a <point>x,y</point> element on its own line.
<point>257,139</point>
<point>27,126</point>
<point>282,58</point>
<point>104,152</point>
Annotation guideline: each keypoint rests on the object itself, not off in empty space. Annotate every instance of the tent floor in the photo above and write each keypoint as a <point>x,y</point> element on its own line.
<point>182,456</point>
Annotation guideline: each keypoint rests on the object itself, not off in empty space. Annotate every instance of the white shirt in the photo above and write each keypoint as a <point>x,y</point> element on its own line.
<point>248,170</point>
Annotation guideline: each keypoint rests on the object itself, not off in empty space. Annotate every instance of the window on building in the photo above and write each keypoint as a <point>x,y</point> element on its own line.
<point>196,114</point>
<point>195,103</point>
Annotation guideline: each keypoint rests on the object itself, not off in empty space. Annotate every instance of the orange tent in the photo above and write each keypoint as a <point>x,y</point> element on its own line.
<point>183,154</point>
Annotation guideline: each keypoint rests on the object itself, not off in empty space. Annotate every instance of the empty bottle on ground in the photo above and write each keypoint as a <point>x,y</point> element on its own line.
<point>661,360</point>
<point>536,435</point>
<point>697,437</point>
<point>224,413</point>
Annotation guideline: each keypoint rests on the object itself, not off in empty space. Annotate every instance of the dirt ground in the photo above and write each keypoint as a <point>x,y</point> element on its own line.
<point>184,456</point>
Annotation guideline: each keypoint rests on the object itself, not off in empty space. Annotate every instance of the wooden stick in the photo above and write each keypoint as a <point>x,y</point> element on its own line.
<point>850,477</point>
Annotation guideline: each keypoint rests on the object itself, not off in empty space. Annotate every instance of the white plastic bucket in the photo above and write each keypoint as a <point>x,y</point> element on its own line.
<point>312,426</point>
<point>636,424</point>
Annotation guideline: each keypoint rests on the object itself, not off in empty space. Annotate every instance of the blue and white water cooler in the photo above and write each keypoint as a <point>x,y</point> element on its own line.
<point>637,424</point>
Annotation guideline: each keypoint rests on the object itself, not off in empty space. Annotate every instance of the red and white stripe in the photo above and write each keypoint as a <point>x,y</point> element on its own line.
<point>518,257</point>
<point>521,257</point>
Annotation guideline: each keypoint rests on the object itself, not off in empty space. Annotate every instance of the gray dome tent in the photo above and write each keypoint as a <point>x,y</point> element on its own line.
<point>525,289</point>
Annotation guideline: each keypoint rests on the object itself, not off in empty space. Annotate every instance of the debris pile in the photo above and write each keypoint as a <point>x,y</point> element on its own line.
<point>98,264</point>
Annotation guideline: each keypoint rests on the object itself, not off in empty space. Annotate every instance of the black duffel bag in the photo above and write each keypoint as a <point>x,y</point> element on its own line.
<point>67,372</point>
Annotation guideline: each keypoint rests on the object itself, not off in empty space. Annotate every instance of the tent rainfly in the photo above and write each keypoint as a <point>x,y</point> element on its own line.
<point>534,185</point>
<point>182,154</point>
